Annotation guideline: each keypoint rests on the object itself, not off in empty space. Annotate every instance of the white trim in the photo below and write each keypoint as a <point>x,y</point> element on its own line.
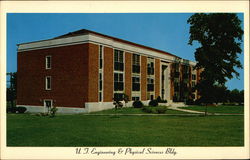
<point>102,72</point>
<point>119,72</point>
<point>61,110</point>
<point>96,39</point>
<point>46,62</point>
<point>46,83</point>
<point>44,103</point>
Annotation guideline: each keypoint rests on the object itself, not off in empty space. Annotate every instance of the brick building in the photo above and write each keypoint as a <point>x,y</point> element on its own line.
<point>83,71</point>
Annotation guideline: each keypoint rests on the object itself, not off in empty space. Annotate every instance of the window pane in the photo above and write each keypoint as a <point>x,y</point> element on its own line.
<point>116,56</point>
<point>116,77</point>
<point>121,77</point>
<point>121,56</point>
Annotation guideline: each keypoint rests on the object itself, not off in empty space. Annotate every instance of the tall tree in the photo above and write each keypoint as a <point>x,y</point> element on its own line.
<point>219,36</point>
<point>12,88</point>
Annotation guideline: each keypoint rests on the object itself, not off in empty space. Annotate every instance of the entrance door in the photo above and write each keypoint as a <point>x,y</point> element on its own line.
<point>47,105</point>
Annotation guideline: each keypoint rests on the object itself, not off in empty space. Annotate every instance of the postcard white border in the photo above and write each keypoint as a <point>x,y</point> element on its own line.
<point>122,7</point>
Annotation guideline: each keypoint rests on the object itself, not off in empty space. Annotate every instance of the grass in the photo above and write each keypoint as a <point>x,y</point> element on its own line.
<point>84,130</point>
<point>131,110</point>
<point>218,109</point>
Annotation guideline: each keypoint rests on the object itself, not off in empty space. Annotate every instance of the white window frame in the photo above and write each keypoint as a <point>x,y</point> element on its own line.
<point>101,48</point>
<point>149,60</point>
<point>46,62</point>
<point>46,83</point>
<point>119,72</point>
<point>44,104</point>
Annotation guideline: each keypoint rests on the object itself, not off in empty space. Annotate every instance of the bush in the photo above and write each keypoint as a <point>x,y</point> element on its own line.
<point>190,102</point>
<point>161,109</point>
<point>159,100</point>
<point>21,109</point>
<point>12,109</point>
<point>156,110</point>
<point>53,111</point>
<point>197,102</point>
<point>147,109</point>
<point>137,104</point>
<point>153,103</point>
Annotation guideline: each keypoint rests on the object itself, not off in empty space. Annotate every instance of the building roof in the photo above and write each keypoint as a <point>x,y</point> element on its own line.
<point>85,31</point>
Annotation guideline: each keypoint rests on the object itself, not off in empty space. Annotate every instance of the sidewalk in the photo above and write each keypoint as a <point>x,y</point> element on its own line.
<point>185,110</point>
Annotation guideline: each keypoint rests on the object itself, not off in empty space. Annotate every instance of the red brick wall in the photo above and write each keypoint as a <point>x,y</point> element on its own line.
<point>143,78</point>
<point>108,74</point>
<point>157,78</point>
<point>69,76</point>
<point>93,73</point>
<point>128,74</point>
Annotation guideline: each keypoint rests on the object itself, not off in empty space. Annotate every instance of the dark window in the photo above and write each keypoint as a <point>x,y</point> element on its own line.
<point>48,62</point>
<point>100,96</point>
<point>136,63</point>
<point>150,68</point>
<point>118,60</point>
<point>118,81</point>
<point>48,83</point>
<point>135,98</point>
<point>150,84</point>
<point>193,77</point>
<point>100,57</point>
<point>118,96</point>
<point>135,83</point>
<point>100,81</point>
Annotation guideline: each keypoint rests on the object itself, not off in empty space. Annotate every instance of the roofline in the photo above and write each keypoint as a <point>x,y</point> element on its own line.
<point>129,42</point>
<point>106,36</point>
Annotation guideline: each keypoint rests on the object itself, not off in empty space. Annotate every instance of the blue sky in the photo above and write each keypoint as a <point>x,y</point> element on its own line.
<point>164,31</point>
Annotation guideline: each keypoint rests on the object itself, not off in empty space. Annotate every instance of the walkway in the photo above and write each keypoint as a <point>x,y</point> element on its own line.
<point>186,110</point>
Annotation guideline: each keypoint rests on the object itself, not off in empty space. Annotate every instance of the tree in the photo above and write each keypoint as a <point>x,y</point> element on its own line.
<point>12,89</point>
<point>219,36</point>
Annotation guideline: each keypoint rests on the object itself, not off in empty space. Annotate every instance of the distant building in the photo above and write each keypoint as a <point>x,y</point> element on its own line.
<point>83,71</point>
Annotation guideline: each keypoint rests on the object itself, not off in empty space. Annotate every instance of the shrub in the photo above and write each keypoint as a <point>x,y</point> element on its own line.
<point>12,109</point>
<point>159,100</point>
<point>21,109</point>
<point>190,102</point>
<point>197,102</point>
<point>161,109</point>
<point>153,103</point>
<point>137,104</point>
<point>53,111</point>
<point>147,109</point>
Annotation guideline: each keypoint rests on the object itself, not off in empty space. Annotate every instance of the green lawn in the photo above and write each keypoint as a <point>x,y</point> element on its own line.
<point>218,109</point>
<point>86,130</point>
<point>131,110</point>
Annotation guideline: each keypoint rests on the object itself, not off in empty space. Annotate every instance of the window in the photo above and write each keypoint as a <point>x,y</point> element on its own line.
<point>150,62</point>
<point>48,83</point>
<point>176,86</point>
<point>118,81</point>
<point>193,84</point>
<point>100,86</point>
<point>136,63</point>
<point>135,98</point>
<point>135,83</point>
<point>176,67</point>
<point>150,86</point>
<point>48,62</point>
<point>193,77</point>
<point>100,57</point>
<point>100,72</point>
<point>185,69</point>
<point>118,60</point>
